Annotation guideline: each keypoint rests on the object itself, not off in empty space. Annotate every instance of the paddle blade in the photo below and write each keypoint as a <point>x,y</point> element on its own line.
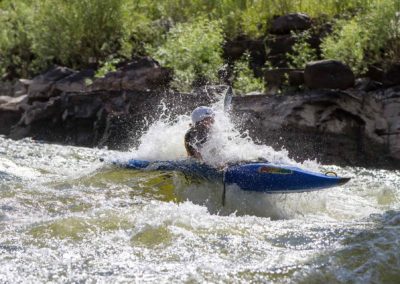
<point>228,99</point>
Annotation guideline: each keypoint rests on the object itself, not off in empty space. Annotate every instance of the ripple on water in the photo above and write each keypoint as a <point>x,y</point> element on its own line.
<point>65,217</point>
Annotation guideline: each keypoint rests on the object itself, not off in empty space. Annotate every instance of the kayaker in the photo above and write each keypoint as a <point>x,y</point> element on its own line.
<point>198,134</point>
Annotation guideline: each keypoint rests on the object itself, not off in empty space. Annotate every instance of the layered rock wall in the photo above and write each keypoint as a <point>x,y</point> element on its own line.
<point>359,126</point>
<point>334,127</point>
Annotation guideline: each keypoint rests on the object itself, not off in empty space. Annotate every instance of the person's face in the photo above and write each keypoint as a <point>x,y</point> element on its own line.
<point>208,121</point>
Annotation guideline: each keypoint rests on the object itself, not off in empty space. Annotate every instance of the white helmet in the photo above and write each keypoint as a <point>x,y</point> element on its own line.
<point>201,113</point>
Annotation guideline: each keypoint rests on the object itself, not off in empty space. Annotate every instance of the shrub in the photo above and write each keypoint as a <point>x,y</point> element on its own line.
<point>383,25</point>
<point>245,81</point>
<point>75,33</point>
<point>15,40</point>
<point>107,66</point>
<point>372,37</point>
<point>393,43</point>
<point>78,32</point>
<point>254,19</point>
<point>302,51</point>
<point>193,50</point>
<point>347,44</point>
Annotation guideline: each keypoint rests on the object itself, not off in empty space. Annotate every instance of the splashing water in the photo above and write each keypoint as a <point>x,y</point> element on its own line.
<point>66,217</point>
<point>164,141</point>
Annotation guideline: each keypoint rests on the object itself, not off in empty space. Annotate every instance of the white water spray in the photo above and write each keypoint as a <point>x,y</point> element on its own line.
<point>164,140</point>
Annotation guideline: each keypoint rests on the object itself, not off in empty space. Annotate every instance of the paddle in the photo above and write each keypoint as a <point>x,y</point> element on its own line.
<point>229,93</point>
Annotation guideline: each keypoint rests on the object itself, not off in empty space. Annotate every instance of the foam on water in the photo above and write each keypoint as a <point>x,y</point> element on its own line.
<point>65,217</point>
<point>164,141</point>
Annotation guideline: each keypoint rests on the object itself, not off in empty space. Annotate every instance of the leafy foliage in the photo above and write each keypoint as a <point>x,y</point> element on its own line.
<point>76,33</point>
<point>107,66</point>
<point>371,37</point>
<point>245,81</point>
<point>79,32</point>
<point>302,51</point>
<point>347,44</point>
<point>15,39</point>
<point>193,50</point>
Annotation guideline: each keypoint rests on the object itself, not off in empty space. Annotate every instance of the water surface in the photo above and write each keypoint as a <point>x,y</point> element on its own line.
<point>67,217</point>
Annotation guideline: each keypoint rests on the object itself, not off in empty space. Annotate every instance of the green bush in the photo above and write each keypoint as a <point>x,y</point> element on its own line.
<point>302,51</point>
<point>347,44</point>
<point>245,81</point>
<point>193,50</point>
<point>15,41</point>
<point>369,38</point>
<point>393,43</point>
<point>78,32</point>
<point>244,16</point>
<point>107,66</point>
<point>37,33</point>
<point>383,26</point>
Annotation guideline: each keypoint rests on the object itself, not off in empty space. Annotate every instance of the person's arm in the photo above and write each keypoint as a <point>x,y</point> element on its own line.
<point>191,151</point>
<point>197,155</point>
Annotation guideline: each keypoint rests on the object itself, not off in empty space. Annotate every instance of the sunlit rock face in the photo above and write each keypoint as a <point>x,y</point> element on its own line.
<point>335,127</point>
<point>10,112</point>
<point>332,126</point>
<point>358,126</point>
<point>390,99</point>
<point>142,74</point>
<point>115,119</point>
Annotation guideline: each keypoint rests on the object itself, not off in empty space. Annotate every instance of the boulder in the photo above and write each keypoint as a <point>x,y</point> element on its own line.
<point>49,110</point>
<point>141,74</point>
<point>5,99</point>
<point>76,82</point>
<point>10,112</point>
<point>280,44</point>
<point>390,98</point>
<point>110,82</point>
<point>375,73</point>
<point>276,78</point>
<point>334,127</point>
<point>114,119</point>
<point>41,86</point>
<point>290,22</point>
<point>296,78</point>
<point>392,75</point>
<point>367,84</point>
<point>328,74</point>
<point>12,89</point>
<point>234,49</point>
<point>144,78</point>
<point>82,105</point>
<point>8,101</point>
<point>258,56</point>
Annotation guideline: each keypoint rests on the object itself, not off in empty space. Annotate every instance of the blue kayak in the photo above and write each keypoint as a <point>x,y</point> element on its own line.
<point>252,176</point>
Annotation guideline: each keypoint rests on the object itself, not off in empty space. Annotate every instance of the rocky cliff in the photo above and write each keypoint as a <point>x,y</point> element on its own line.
<point>358,126</point>
<point>336,127</point>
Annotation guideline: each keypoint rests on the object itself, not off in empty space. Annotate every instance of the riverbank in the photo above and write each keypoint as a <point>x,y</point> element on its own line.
<point>292,95</point>
<point>358,126</point>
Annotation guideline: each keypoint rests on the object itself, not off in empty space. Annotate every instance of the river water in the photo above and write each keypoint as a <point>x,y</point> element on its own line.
<point>67,217</point>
